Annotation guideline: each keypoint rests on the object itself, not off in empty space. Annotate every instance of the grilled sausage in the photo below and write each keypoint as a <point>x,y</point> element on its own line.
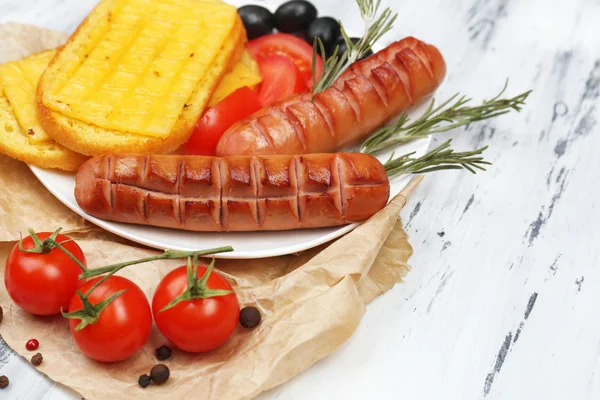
<point>366,96</point>
<point>200,193</point>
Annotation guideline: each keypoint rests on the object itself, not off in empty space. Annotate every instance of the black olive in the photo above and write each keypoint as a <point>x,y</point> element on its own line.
<point>342,49</point>
<point>250,317</point>
<point>326,28</point>
<point>294,16</point>
<point>257,20</point>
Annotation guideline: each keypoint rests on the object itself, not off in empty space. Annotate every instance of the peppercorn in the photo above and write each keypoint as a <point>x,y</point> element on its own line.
<point>144,380</point>
<point>249,317</point>
<point>163,353</point>
<point>1,314</point>
<point>159,374</point>
<point>32,344</point>
<point>3,381</point>
<point>37,359</point>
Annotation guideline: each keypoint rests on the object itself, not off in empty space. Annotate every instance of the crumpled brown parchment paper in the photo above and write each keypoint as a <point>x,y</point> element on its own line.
<point>311,302</point>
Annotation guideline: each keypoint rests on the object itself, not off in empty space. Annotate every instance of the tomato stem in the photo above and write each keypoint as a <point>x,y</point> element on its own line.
<point>167,255</point>
<point>90,313</point>
<point>197,288</point>
<point>47,245</point>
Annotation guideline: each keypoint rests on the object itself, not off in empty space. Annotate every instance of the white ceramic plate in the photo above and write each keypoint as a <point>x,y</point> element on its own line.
<point>245,244</point>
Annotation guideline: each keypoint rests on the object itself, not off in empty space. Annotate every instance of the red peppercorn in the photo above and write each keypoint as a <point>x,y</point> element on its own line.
<point>32,344</point>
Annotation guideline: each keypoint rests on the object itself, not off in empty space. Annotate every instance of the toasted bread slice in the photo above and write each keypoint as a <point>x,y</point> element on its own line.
<point>21,135</point>
<point>120,84</point>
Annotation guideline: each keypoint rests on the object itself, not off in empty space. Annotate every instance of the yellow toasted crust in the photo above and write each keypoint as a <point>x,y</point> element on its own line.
<point>92,140</point>
<point>14,143</point>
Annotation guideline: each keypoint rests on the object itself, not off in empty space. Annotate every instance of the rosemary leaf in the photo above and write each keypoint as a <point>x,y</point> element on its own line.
<point>450,114</point>
<point>440,158</point>
<point>334,66</point>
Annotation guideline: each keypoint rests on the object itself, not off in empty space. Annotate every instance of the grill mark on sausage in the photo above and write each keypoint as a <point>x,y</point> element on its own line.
<point>325,111</point>
<point>253,166</point>
<point>299,160</point>
<point>405,77</point>
<point>221,203</point>
<point>179,217</point>
<point>145,166</point>
<point>241,199</point>
<point>338,161</point>
<point>110,199</point>
<point>179,177</point>
<point>351,98</point>
<point>260,127</point>
<point>144,210</point>
<point>376,82</point>
<point>299,130</point>
<point>295,161</point>
<point>423,54</point>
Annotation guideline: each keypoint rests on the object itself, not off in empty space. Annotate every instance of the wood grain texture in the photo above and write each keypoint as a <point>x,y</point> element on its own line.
<point>503,298</point>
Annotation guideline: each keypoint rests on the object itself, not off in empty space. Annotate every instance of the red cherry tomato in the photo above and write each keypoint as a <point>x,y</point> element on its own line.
<point>124,325</point>
<point>196,325</point>
<point>209,129</point>
<point>43,283</point>
<point>281,79</point>
<point>295,48</point>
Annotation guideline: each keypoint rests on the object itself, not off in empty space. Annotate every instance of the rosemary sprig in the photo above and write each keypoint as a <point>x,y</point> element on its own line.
<point>334,66</point>
<point>454,115</point>
<point>440,158</point>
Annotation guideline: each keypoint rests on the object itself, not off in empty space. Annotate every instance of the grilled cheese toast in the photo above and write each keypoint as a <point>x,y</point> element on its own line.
<point>138,74</point>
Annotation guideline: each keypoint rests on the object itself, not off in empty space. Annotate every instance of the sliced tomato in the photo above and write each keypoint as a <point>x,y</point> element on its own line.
<point>292,46</point>
<point>281,78</point>
<point>209,129</point>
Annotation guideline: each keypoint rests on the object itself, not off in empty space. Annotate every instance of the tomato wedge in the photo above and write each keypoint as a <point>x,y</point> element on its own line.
<point>281,78</point>
<point>295,48</point>
<point>238,105</point>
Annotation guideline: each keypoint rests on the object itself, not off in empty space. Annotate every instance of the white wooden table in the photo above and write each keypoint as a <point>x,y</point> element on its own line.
<point>503,299</point>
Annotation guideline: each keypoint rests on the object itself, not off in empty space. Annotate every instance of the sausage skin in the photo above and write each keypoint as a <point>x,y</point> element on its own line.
<point>366,96</point>
<point>199,193</point>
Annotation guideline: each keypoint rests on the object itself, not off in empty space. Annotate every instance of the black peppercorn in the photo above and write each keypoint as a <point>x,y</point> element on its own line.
<point>3,382</point>
<point>37,359</point>
<point>144,380</point>
<point>1,314</point>
<point>249,317</point>
<point>159,374</point>
<point>163,353</point>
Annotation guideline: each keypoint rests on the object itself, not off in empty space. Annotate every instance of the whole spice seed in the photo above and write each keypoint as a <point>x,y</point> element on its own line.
<point>163,353</point>
<point>37,359</point>
<point>32,344</point>
<point>159,374</point>
<point>144,380</point>
<point>250,317</point>
<point>3,381</point>
<point>1,314</point>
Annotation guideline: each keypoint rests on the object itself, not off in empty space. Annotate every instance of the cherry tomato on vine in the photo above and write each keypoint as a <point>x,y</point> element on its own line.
<point>42,283</point>
<point>122,327</point>
<point>200,324</point>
